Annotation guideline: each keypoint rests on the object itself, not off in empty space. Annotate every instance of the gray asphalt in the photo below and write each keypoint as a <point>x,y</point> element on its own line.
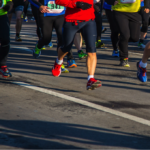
<point>35,120</point>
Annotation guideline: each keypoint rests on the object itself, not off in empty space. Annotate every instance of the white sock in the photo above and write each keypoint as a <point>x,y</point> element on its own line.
<point>90,76</point>
<point>143,65</point>
<point>59,62</point>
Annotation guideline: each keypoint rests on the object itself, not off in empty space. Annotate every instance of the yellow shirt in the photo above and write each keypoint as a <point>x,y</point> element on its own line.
<point>129,7</point>
<point>3,12</point>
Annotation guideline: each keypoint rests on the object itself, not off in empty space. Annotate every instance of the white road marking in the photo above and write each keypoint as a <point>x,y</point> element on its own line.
<point>85,103</point>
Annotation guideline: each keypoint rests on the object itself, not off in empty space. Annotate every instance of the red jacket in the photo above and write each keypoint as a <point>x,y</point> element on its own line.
<point>73,14</point>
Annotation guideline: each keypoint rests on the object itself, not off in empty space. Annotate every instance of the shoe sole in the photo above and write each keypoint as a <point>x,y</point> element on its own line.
<point>72,66</point>
<point>5,76</point>
<point>94,85</point>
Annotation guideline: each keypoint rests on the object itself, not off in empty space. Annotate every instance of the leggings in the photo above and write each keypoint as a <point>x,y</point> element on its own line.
<point>145,20</point>
<point>47,24</point>
<point>4,39</point>
<point>113,28</point>
<point>26,4</point>
<point>129,28</point>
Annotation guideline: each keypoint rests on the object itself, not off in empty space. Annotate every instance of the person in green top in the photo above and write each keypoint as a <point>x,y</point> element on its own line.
<point>126,13</point>
<point>5,5</point>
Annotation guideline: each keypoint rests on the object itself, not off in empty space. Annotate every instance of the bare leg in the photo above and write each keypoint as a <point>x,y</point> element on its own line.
<point>146,54</point>
<point>142,36</point>
<point>91,63</point>
<point>61,54</point>
<point>18,21</point>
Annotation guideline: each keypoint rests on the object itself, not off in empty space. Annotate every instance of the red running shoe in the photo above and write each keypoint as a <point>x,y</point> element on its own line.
<point>5,72</point>
<point>56,70</point>
<point>93,84</point>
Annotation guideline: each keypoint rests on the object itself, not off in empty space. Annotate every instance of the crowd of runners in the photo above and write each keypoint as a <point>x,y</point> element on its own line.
<point>79,22</point>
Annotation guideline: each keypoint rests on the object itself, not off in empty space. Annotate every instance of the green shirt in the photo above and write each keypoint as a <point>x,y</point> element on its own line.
<point>129,7</point>
<point>3,12</point>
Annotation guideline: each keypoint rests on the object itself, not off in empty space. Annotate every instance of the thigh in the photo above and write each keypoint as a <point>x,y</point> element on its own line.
<point>18,11</point>
<point>46,24</point>
<point>122,21</point>
<point>89,34</point>
<point>58,25</point>
<point>111,20</point>
<point>135,25</point>
<point>4,28</point>
<point>69,31</point>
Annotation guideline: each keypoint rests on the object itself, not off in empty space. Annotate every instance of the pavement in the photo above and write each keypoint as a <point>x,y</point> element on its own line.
<point>39,111</point>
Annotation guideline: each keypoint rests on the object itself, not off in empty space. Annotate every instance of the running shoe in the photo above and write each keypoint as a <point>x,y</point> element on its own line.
<point>63,69</point>
<point>93,84</point>
<point>43,48</point>
<point>141,73</point>
<point>25,19</point>
<point>100,44</point>
<point>141,46</point>
<point>33,18</point>
<point>36,52</point>
<point>18,39</point>
<point>5,72</point>
<point>56,70</point>
<point>81,54</point>
<point>124,63</point>
<point>71,63</point>
<point>50,45</point>
<point>115,53</point>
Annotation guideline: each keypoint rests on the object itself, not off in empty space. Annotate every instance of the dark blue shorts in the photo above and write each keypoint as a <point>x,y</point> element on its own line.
<point>89,33</point>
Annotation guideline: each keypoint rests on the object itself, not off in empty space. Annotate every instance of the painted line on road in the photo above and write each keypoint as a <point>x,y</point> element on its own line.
<point>85,103</point>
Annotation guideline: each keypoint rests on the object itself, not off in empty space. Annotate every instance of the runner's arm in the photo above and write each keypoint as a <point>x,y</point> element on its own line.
<point>66,3</point>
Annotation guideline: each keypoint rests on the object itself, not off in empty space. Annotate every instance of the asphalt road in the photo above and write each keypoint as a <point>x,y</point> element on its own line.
<point>34,114</point>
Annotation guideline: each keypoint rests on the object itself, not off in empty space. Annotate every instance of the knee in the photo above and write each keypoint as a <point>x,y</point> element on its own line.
<point>93,55</point>
<point>124,37</point>
<point>18,18</point>
<point>134,38</point>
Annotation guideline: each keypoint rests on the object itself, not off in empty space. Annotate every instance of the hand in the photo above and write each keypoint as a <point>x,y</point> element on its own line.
<point>146,10</point>
<point>97,9</point>
<point>83,5</point>
<point>115,3</point>
<point>43,9</point>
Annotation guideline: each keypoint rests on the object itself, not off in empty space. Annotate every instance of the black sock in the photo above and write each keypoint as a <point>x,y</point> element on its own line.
<point>141,41</point>
<point>17,34</point>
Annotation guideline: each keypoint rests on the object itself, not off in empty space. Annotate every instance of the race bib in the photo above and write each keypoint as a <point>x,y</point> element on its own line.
<point>127,1</point>
<point>53,8</point>
<point>1,3</point>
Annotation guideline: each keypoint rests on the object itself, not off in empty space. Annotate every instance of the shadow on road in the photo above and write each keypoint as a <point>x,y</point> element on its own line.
<point>41,134</point>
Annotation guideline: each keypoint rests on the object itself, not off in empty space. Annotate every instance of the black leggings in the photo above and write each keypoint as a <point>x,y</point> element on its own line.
<point>26,4</point>
<point>47,24</point>
<point>129,28</point>
<point>145,20</point>
<point>35,13</point>
<point>113,27</point>
<point>4,39</point>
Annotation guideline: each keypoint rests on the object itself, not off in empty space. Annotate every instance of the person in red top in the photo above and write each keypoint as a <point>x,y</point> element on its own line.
<point>79,16</point>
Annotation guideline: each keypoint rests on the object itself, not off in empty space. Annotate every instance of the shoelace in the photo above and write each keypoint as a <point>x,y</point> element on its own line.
<point>143,71</point>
